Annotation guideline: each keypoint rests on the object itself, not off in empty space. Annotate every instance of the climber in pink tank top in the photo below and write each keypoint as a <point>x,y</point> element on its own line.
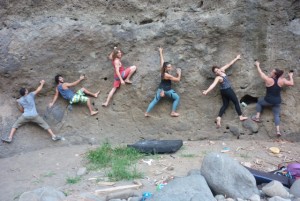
<point>124,72</point>
<point>121,75</point>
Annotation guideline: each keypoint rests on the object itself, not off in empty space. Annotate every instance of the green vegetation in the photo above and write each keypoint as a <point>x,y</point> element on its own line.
<point>73,180</point>
<point>17,197</point>
<point>244,155</point>
<point>120,161</point>
<point>204,152</point>
<point>48,174</point>
<point>37,181</point>
<point>66,193</point>
<point>183,148</point>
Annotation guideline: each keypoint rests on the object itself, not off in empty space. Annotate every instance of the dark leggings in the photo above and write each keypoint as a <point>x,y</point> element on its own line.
<point>227,95</point>
<point>275,109</point>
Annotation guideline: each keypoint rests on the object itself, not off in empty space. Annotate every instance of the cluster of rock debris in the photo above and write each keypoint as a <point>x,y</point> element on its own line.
<point>220,178</point>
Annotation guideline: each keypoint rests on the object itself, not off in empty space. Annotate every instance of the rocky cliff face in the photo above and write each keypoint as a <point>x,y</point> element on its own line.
<point>40,39</point>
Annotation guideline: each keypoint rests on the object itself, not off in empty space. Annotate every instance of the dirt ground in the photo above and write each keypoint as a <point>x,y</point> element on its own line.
<point>52,166</point>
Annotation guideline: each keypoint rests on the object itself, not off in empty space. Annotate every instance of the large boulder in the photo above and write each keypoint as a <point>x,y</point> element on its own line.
<point>295,188</point>
<point>43,194</point>
<point>227,177</point>
<point>191,187</point>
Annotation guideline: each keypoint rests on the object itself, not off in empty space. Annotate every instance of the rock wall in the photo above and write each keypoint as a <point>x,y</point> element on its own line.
<point>40,39</point>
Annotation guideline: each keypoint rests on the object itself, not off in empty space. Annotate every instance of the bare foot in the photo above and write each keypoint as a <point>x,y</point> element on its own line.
<point>96,94</point>
<point>254,118</point>
<point>243,118</point>
<point>218,122</point>
<point>94,112</point>
<point>104,104</point>
<point>175,114</point>
<point>147,115</point>
<point>128,81</point>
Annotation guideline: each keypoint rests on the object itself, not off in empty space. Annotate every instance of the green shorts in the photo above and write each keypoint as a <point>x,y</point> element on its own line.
<point>79,97</point>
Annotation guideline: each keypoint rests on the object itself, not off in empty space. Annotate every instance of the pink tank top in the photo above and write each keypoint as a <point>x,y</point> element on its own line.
<point>121,69</point>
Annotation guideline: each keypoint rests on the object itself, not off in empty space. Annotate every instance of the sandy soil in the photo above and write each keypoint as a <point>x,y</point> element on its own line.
<point>52,166</point>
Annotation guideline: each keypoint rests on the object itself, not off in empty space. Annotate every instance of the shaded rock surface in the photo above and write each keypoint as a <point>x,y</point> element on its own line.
<point>295,188</point>
<point>226,176</point>
<point>191,187</point>
<point>41,39</point>
<point>277,198</point>
<point>43,194</point>
<point>275,188</point>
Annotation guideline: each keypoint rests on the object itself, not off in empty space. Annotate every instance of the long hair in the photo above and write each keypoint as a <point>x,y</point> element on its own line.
<point>163,68</point>
<point>278,73</point>
<point>115,53</point>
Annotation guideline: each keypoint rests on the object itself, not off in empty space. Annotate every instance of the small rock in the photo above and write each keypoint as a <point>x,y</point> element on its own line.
<point>81,171</point>
<point>220,197</point>
<point>275,188</point>
<point>234,130</point>
<point>250,125</point>
<point>275,150</point>
<point>134,198</point>
<point>254,197</point>
<point>29,196</point>
<point>277,198</point>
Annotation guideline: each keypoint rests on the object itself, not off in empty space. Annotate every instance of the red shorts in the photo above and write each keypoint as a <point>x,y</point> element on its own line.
<point>124,75</point>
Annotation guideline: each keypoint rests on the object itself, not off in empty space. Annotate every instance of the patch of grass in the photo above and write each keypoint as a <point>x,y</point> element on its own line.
<point>183,147</point>
<point>204,152</point>
<point>17,196</point>
<point>73,180</point>
<point>153,156</point>
<point>188,155</point>
<point>118,172</point>
<point>100,158</point>
<point>37,181</point>
<point>66,193</point>
<point>48,174</point>
<point>118,161</point>
<point>245,156</point>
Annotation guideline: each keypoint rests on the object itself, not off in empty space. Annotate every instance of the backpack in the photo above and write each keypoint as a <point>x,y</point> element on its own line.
<point>294,169</point>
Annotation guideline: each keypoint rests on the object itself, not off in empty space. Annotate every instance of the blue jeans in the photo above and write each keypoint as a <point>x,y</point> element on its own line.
<point>171,94</point>
<point>275,109</point>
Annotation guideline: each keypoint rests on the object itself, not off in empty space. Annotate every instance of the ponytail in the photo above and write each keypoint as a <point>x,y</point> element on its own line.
<point>163,68</point>
<point>278,73</point>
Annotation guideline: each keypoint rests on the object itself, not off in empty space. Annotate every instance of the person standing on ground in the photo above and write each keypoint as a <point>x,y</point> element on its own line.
<point>274,82</point>
<point>26,104</point>
<point>121,75</point>
<point>164,88</point>
<point>227,92</point>
<point>63,88</point>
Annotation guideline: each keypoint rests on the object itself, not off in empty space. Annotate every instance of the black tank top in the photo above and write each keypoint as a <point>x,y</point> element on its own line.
<point>165,84</point>
<point>273,94</point>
